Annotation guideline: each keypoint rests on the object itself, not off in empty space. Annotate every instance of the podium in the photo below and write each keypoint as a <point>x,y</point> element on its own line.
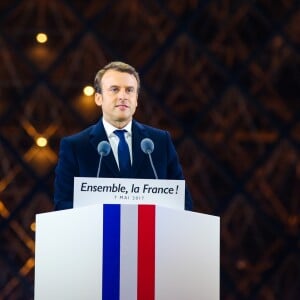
<point>129,247</point>
<point>127,252</point>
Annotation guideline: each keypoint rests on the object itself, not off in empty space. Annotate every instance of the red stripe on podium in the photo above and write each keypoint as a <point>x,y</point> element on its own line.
<point>146,253</point>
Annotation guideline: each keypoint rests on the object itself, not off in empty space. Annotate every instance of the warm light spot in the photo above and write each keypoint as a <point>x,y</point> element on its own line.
<point>241,264</point>
<point>27,267</point>
<point>88,90</point>
<point>3,210</point>
<point>41,141</point>
<point>41,38</point>
<point>32,226</point>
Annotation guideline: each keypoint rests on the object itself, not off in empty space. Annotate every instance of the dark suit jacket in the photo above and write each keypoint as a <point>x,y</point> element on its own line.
<point>78,157</point>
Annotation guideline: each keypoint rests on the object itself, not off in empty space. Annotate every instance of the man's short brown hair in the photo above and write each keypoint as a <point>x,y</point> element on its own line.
<point>117,66</point>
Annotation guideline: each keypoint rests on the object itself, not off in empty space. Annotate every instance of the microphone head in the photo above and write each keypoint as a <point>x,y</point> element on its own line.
<point>103,148</point>
<point>147,145</point>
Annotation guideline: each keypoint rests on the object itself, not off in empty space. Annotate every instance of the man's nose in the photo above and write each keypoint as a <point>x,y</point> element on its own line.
<point>122,94</point>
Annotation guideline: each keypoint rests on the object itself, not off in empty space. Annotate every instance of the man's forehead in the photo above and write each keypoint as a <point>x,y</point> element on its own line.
<point>113,77</point>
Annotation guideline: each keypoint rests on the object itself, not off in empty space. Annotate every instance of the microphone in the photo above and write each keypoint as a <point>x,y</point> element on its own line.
<point>103,149</point>
<point>147,147</point>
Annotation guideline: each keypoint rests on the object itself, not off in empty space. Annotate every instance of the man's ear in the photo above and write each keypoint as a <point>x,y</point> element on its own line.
<point>98,99</point>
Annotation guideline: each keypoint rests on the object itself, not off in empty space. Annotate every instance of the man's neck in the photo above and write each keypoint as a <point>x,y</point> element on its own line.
<point>109,127</point>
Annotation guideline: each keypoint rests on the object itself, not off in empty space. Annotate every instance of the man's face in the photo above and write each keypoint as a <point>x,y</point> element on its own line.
<point>119,97</point>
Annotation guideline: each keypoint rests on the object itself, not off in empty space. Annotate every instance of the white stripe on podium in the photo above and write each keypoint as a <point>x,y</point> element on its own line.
<point>128,259</point>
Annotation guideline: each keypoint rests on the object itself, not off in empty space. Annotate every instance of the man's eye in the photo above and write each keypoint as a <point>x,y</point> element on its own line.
<point>130,90</point>
<point>114,89</point>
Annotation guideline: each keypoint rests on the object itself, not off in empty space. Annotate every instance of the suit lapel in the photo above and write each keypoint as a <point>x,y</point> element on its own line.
<point>97,135</point>
<point>138,133</point>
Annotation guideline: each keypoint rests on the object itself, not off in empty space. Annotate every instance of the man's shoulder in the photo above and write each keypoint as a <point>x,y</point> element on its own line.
<point>149,129</point>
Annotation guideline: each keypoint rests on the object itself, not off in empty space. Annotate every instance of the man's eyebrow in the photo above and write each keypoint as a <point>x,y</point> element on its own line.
<point>118,86</point>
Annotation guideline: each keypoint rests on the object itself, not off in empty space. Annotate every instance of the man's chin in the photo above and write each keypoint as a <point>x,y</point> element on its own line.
<point>123,119</point>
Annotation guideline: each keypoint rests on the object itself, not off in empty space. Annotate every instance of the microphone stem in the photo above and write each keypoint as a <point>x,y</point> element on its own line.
<point>99,166</point>
<point>154,171</point>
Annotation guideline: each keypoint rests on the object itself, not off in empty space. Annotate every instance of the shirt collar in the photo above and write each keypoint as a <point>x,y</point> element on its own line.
<point>110,128</point>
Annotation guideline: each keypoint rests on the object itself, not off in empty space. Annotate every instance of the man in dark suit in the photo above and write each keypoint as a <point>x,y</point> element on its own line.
<point>116,92</point>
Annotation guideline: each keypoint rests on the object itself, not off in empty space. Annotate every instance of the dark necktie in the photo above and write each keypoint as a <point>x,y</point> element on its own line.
<point>123,154</point>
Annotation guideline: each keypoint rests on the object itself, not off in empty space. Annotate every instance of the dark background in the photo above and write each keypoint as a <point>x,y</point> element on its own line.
<point>221,76</point>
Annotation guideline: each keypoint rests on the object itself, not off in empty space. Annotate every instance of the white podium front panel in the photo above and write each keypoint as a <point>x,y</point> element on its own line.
<point>68,258</point>
<point>114,252</point>
<point>187,256</point>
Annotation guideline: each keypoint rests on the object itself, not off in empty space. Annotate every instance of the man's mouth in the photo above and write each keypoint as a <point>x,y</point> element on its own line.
<point>122,106</point>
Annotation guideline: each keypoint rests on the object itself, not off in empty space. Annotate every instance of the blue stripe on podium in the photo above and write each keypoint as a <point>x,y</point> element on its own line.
<point>111,252</point>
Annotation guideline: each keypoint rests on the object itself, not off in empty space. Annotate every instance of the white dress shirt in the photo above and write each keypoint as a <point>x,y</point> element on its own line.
<point>114,140</point>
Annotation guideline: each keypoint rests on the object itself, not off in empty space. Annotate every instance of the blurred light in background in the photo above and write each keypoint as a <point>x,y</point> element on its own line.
<point>41,37</point>
<point>88,90</point>
<point>41,141</point>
